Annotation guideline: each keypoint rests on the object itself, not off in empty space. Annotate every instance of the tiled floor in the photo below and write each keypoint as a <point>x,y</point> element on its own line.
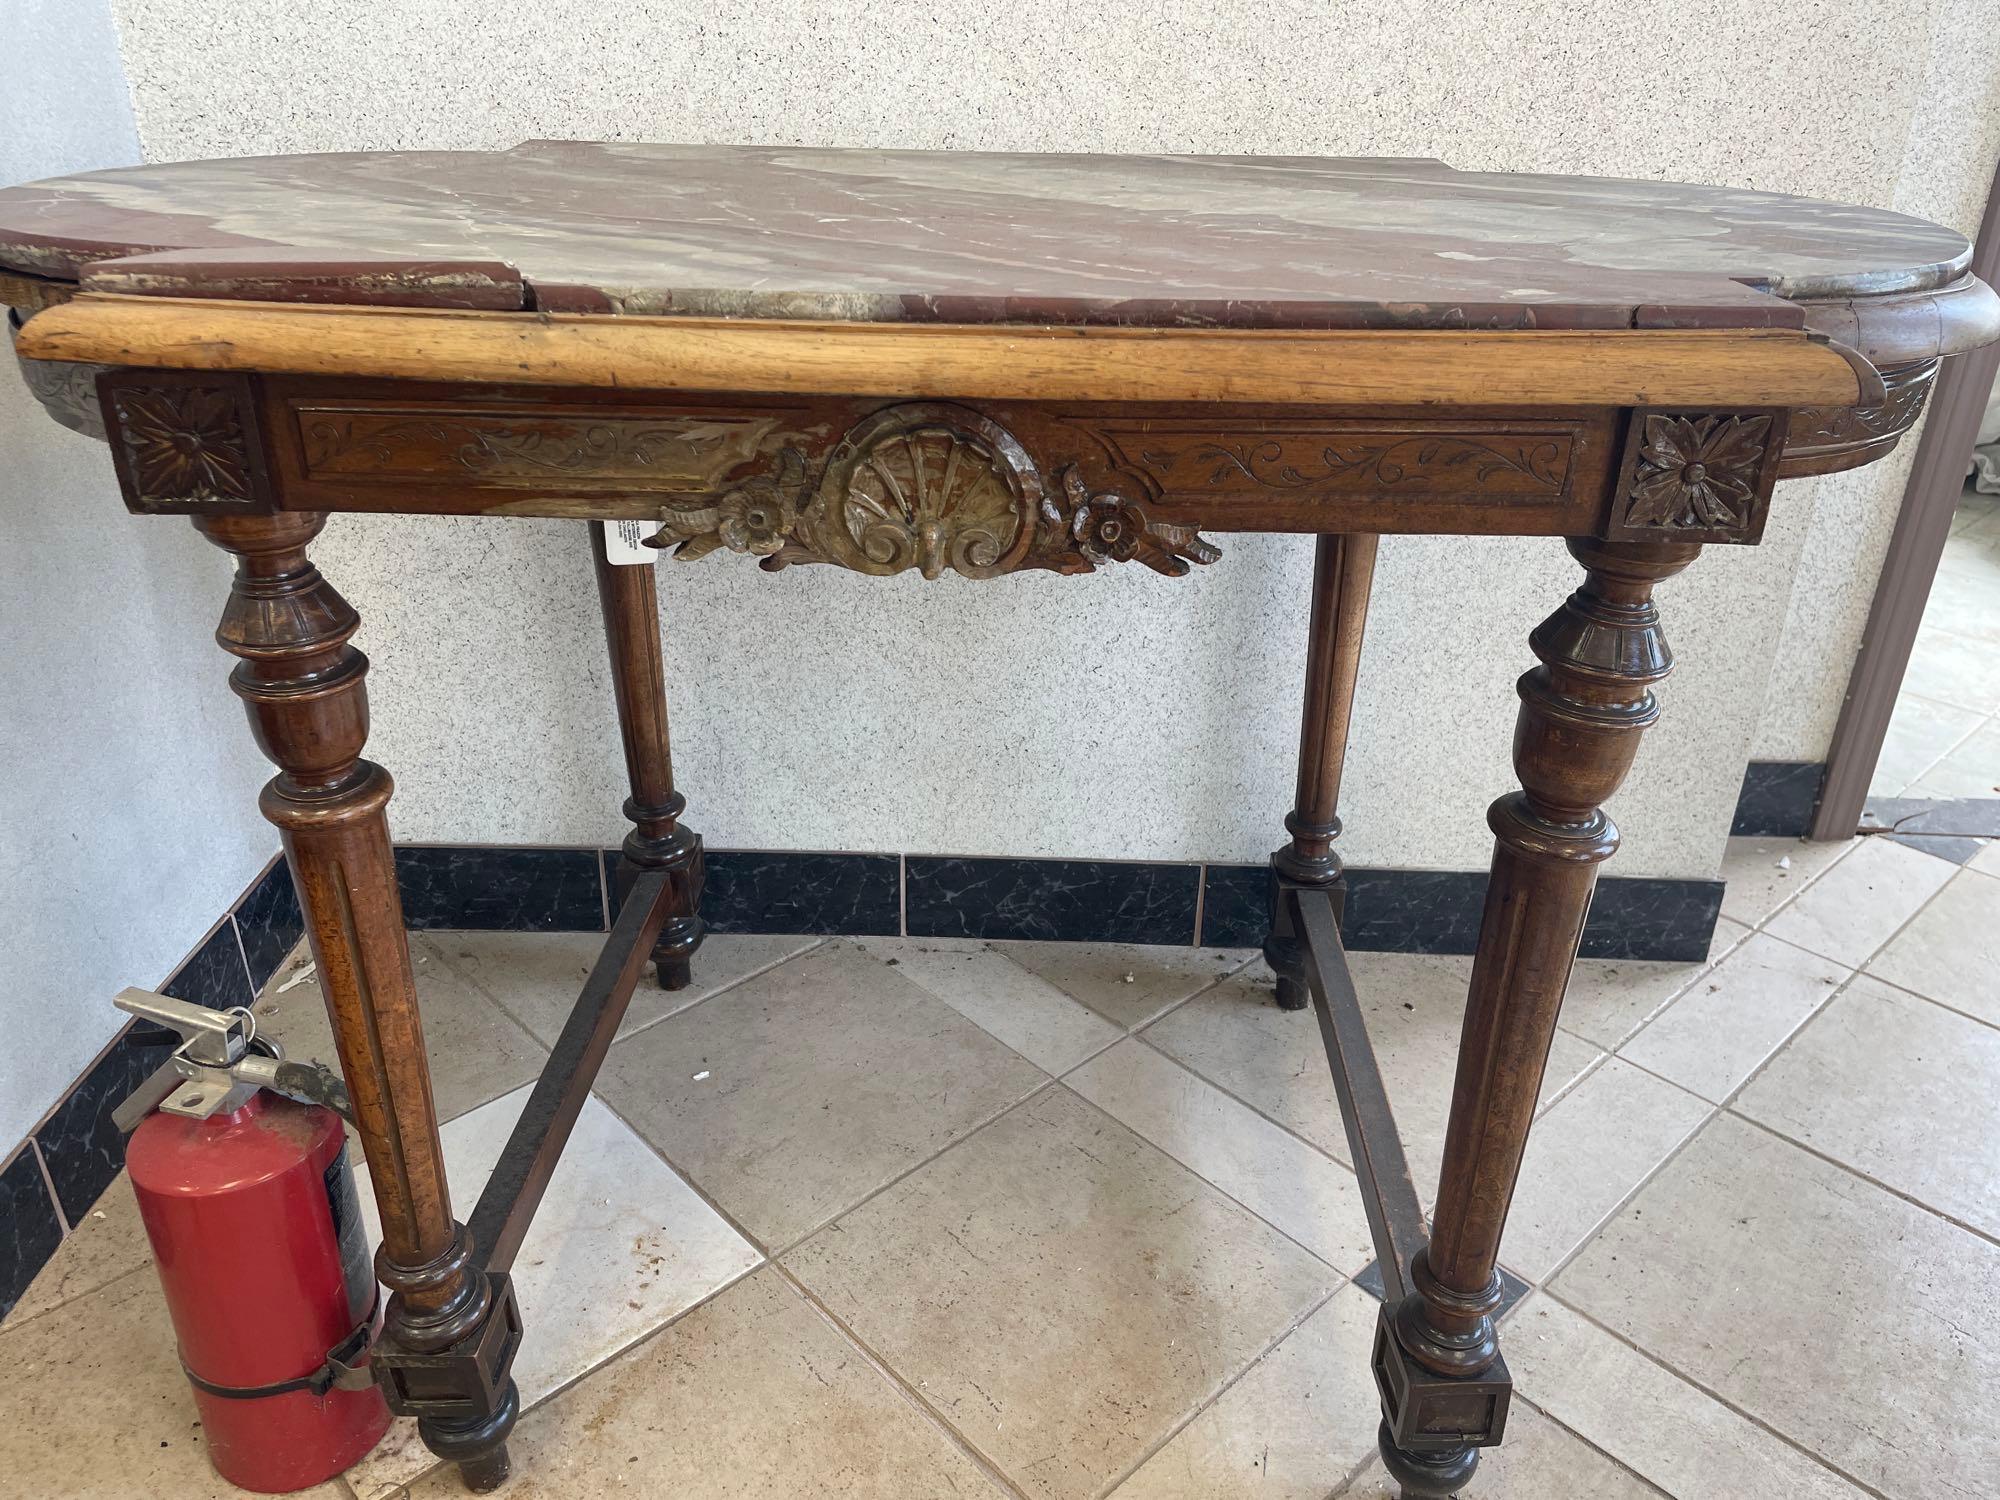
<point>1944,741</point>
<point>921,1219</point>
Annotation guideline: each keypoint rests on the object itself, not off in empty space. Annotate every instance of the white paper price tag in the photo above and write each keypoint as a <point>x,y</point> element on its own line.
<point>624,541</point>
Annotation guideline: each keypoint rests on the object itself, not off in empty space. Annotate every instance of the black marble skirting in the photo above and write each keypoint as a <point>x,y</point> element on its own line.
<point>860,895</point>
<point>1778,798</point>
<point>30,1228</point>
<point>269,921</point>
<point>565,890</point>
<point>1054,900</point>
<point>500,890</point>
<point>1437,911</point>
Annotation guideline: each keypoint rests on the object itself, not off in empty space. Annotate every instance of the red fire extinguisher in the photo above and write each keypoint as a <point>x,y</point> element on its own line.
<point>240,1164</point>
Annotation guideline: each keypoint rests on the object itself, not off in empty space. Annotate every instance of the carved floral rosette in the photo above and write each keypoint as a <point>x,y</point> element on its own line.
<point>930,485</point>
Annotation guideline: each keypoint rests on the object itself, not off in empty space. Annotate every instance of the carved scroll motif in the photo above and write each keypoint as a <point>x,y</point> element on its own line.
<point>1526,462</point>
<point>1385,464</point>
<point>68,392</point>
<point>1827,439</point>
<point>930,486</point>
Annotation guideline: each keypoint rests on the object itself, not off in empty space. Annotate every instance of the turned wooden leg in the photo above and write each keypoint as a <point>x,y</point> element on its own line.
<point>450,1330</point>
<point>1343,569</point>
<point>1582,713</point>
<point>639,682</point>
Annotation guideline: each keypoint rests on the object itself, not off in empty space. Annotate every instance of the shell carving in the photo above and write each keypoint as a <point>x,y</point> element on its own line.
<point>929,493</point>
<point>930,486</point>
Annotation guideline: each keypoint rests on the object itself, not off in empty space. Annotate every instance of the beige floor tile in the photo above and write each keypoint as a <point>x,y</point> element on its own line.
<point>1540,1460</point>
<point>1037,1020</point>
<point>1128,983</point>
<point>1275,1061</point>
<point>1954,669</point>
<point>1274,1174</point>
<point>1235,1035</point>
<point>1857,906</point>
<point>1920,734</point>
<point>1650,1419</point>
<point>1969,769</point>
<point>619,1246</point>
<point>1585,1157</point>
<point>1987,860</point>
<point>1293,1428</point>
<point>1844,1317</point>
<point>1761,875</point>
<point>790,1098</point>
<point>1063,1292</point>
<point>535,976</point>
<point>108,1243</point>
<point>476,1052</point>
<point>1899,1088</point>
<point>1610,998</point>
<point>1964,604</point>
<point>1727,1023</point>
<point>1973,553</point>
<point>95,1406</point>
<point>751,1397</point>
<point>1951,952</point>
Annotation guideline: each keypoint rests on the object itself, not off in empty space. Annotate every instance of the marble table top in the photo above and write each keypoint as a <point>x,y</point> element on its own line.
<point>782,232</point>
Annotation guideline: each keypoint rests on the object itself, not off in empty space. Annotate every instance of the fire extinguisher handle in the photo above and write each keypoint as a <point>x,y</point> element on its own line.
<point>143,1100</point>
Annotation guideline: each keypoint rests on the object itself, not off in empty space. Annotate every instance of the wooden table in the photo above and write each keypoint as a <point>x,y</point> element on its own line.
<point>896,360</point>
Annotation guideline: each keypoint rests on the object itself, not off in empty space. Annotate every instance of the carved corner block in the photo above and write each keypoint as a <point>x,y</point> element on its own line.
<point>1828,439</point>
<point>1697,476</point>
<point>185,442</point>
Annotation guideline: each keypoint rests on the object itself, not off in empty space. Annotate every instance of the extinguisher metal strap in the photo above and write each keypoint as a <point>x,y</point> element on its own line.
<point>345,1368</point>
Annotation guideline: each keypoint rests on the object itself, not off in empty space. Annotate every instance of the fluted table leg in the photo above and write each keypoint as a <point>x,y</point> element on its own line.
<point>1582,713</point>
<point>448,1336</point>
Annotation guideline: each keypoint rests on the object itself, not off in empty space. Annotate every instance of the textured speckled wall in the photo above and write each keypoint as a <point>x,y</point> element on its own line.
<point>1122,715</point>
<point>128,817</point>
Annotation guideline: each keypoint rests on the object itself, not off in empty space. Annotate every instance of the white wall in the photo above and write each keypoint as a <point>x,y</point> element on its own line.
<point>127,813</point>
<point>1122,715</point>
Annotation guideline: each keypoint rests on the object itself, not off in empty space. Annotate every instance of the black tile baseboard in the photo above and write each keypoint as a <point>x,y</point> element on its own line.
<point>269,921</point>
<point>30,1229</point>
<point>853,895</point>
<point>1778,798</point>
<point>83,1149</point>
<point>1235,905</point>
<point>500,890</point>
<point>1666,920</point>
<point>214,975</point>
<point>1053,900</point>
<point>1437,911</point>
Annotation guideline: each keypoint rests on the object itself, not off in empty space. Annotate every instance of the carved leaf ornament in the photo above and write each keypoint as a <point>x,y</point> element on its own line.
<point>185,444</point>
<point>1697,472</point>
<point>930,486</point>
